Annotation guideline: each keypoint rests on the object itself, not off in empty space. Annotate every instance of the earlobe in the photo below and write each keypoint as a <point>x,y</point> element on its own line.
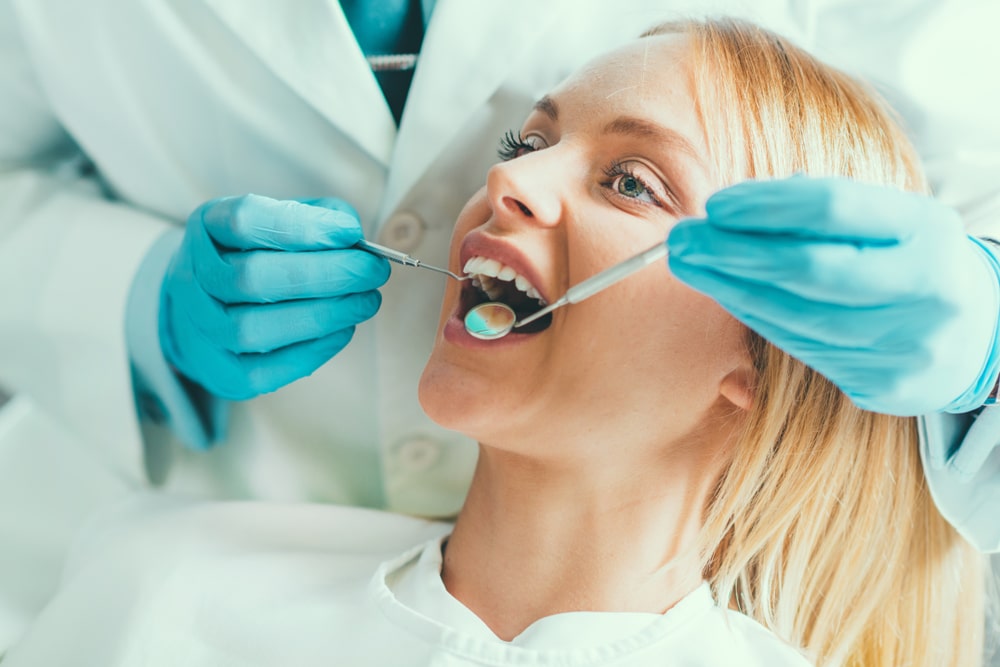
<point>737,387</point>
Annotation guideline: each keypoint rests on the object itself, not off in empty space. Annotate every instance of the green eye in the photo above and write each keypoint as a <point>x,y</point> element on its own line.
<point>630,186</point>
<point>627,180</point>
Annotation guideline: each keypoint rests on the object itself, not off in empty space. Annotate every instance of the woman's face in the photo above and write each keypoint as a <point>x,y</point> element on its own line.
<point>601,169</point>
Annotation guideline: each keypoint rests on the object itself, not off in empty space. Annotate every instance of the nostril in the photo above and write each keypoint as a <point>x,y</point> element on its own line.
<point>513,203</point>
<point>524,209</point>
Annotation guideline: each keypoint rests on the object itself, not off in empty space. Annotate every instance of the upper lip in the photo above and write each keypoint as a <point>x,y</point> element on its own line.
<point>482,244</point>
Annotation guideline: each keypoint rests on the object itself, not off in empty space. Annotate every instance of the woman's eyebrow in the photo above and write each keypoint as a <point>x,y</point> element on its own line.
<point>643,129</point>
<point>548,107</point>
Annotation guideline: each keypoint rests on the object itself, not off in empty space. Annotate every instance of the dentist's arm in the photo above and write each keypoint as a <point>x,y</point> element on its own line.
<point>67,256</point>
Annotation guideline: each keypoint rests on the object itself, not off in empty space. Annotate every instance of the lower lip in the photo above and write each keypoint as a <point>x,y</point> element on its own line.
<point>456,334</point>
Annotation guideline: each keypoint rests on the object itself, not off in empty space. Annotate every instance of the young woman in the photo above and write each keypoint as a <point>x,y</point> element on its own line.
<point>656,485</point>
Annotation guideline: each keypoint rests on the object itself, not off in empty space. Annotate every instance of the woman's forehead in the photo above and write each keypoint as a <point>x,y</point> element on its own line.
<point>641,67</point>
<point>650,78</point>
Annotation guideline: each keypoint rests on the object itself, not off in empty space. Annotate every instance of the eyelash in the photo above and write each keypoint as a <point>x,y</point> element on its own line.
<point>511,145</point>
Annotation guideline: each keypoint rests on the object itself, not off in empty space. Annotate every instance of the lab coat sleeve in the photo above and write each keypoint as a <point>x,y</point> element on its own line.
<point>966,489</point>
<point>67,258</point>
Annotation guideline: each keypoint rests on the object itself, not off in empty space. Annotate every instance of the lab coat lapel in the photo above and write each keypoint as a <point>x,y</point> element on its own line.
<point>457,72</point>
<point>309,45</point>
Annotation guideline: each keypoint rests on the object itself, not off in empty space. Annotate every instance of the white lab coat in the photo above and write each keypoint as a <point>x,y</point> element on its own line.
<point>236,584</point>
<point>179,102</point>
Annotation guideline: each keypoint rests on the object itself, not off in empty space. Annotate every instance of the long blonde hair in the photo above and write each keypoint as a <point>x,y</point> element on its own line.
<point>821,526</point>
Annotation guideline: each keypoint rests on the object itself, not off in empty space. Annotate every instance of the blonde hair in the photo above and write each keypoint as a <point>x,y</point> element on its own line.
<point>821,526</point>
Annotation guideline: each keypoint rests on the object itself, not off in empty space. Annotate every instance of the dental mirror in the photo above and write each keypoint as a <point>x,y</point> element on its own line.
<point>490,320</point>
<point>493,320</point>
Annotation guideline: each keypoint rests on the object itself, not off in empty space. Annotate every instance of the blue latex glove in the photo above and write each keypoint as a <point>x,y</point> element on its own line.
<point>879,290</point>
<point>263,292</point>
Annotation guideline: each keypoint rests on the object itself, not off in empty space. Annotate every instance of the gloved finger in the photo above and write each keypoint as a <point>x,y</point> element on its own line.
<point>197,356</point>
<point>860,375</point>
<point>199,253</point>
<point>868,339</point>
<point>270,371</point>
<point>239,377</point>
<point>870,381</point>
<point>264,328</point>
<point>267,276</point>
<point>824,270</point>
<point>332,203</point>
<point>833,324</point>
<point>252,222</point>
<point>835,208</point>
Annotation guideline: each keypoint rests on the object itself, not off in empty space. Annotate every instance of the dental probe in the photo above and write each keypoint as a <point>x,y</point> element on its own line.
<point>604,279</point>
<point>402,258</point>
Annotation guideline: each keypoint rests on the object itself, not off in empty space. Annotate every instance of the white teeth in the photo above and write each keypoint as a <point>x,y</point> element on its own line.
<point>486,273</point>
<point>490,267</point>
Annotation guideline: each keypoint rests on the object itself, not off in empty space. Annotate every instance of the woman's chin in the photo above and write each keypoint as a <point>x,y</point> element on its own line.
<point>455,400</point>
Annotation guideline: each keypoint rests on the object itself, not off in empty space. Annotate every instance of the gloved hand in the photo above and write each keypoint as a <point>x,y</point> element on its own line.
<point>879,290</point>
<point>263,292</point>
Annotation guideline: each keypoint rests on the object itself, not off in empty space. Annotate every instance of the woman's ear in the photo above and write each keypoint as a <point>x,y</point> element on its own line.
<point>737,386</point>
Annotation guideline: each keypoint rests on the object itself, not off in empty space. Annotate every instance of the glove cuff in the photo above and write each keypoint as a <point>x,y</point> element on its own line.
<point>984,391</point>
<point>992,247</point>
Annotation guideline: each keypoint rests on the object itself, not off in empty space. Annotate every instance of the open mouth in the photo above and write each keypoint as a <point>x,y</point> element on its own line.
<point>492,281</point>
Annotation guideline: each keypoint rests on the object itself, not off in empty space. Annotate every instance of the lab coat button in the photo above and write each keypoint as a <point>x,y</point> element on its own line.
<point>403,231</point>
<point>418,454</point>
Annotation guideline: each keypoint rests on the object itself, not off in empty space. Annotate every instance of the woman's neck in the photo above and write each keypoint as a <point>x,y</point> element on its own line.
<point>533,540</point>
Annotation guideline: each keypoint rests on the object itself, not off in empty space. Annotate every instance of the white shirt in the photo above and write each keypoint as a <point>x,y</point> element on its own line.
<point>236,584</point>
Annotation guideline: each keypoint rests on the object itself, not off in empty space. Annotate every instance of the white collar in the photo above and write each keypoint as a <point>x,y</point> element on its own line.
<point>410,590</point>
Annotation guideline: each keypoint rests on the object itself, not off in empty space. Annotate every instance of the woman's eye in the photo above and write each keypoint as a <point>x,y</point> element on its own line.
<point>630,186</point>
<point>625,183</point>
<point>513,145</point>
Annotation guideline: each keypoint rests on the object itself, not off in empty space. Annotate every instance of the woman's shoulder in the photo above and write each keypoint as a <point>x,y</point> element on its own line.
<point>753,644</point>
<point>763,645</point>
<point>720,636</point>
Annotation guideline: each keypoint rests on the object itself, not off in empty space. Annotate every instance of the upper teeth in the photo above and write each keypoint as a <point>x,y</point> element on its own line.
<point>487,272</point>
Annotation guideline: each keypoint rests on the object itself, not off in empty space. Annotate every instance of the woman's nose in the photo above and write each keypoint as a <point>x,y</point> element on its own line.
<point>526,190</point>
